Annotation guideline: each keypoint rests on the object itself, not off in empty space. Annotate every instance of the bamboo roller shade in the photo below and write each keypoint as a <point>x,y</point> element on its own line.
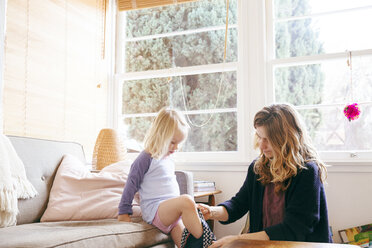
<point>51,67</point>
<point>124,5</point>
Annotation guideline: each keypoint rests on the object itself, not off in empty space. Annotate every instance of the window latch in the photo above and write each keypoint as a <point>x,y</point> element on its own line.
<point>353,155</point>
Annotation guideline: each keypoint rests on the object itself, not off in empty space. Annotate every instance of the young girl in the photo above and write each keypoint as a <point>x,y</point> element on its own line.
<point>152,175</point>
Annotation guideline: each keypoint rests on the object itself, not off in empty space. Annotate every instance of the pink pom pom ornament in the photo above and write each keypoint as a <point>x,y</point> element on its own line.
<point>352,111</point>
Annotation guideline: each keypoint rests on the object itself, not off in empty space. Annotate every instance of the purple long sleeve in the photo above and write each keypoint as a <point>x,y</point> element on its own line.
<point>137,171</point>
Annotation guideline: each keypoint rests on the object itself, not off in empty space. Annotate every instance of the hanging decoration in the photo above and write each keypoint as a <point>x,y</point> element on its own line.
<point>221,80</point>
<point>351,111</point>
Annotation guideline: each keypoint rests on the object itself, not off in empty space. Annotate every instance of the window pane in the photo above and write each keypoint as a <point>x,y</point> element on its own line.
<point>201,91</point>
<point>290,8</point>
<point>182,35</point>
<point>325,83</point>
<point>145,96</point>
<point>180,17</point>
<point>331,131</point>
<point>326,34</point>
<point>197,92</point>
<point>135,130</point>
<point>218,134</point>
<point>181,51</point>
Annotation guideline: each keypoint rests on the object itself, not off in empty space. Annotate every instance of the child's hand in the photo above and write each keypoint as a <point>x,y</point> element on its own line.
<point>206,210</point>
<point>124,217</point>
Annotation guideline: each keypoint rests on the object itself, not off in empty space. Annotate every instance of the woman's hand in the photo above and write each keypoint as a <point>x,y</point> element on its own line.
<point>223,241</point>
<point>206,210</point>
<point>124,217</point>
<point>213,212</point>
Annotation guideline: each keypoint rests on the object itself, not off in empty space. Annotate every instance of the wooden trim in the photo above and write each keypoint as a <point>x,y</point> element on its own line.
<point>125,5</point>
<point>198,194</point>
<point>245,243</point>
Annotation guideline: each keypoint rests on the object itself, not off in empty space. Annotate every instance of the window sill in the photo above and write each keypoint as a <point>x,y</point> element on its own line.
<point>349,166</point>
<point>213,166</point>
<point>332,166</point>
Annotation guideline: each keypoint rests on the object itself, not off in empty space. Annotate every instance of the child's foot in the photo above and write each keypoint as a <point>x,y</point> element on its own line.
<point>189,241</point>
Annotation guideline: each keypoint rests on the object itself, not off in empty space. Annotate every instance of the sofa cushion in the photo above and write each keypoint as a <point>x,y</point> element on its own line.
<point>41,159</point>
<point>98,233</point>
<point>78,194</point>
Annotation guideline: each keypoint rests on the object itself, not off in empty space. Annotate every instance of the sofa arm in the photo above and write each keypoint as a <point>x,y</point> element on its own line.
<point>186,182</point>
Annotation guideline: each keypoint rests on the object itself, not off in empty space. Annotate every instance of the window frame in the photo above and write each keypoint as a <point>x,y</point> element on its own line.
<point>333,157</point>
<point>255,64</point>
<point>250,97</point>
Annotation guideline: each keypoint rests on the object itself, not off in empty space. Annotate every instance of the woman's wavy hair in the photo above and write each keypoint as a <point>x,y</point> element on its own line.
<point>291,145</point>
<point>164,126</point>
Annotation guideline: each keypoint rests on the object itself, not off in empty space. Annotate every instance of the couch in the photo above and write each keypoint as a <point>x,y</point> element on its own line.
<point>41,159</point>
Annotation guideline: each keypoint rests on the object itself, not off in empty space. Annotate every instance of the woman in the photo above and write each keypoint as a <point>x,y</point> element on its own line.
<point>283,190</point>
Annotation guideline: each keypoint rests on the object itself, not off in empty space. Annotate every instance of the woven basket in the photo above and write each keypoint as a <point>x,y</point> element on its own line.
<point>109,148</point>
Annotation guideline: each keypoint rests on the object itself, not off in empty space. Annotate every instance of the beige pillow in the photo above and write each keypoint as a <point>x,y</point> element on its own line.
<point>78,194</point>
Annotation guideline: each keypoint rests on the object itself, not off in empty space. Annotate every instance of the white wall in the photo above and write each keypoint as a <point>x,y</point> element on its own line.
<point>348,189</point>
<point>349,200</point>
<point>2,37</point>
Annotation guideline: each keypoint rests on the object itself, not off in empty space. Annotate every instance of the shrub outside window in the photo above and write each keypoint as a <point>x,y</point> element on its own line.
<point>309,44</point>
<point>174,56</point>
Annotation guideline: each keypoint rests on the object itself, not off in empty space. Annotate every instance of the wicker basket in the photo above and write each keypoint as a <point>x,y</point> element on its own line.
<point>109,148</point>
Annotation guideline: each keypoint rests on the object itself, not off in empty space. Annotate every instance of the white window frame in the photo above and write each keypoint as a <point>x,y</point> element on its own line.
<point>250,94</point>
<point>332,157</point>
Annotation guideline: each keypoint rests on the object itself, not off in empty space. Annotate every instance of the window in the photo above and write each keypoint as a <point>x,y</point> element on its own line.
<point>309,44</point>
<point>174,55</point>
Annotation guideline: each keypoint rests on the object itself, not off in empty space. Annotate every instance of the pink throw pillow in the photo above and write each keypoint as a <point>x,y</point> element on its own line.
<point>78,194</point>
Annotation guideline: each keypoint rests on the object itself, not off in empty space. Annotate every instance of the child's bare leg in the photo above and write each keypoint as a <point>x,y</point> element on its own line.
<point>170,210</point>
<point>176,233</point>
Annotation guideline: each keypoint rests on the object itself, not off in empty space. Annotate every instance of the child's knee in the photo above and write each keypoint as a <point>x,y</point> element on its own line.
<point>188,201</point>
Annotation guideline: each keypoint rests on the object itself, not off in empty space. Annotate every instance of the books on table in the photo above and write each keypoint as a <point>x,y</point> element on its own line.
<point>203,186</point>
<point>358,235</point>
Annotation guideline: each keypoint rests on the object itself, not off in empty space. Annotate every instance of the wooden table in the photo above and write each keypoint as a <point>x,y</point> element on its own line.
<point>211,201</point>
<point>244,243</point>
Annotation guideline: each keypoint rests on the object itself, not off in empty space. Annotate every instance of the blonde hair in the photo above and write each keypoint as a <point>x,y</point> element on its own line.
<point>165,125</point>
<point>291,146</point>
